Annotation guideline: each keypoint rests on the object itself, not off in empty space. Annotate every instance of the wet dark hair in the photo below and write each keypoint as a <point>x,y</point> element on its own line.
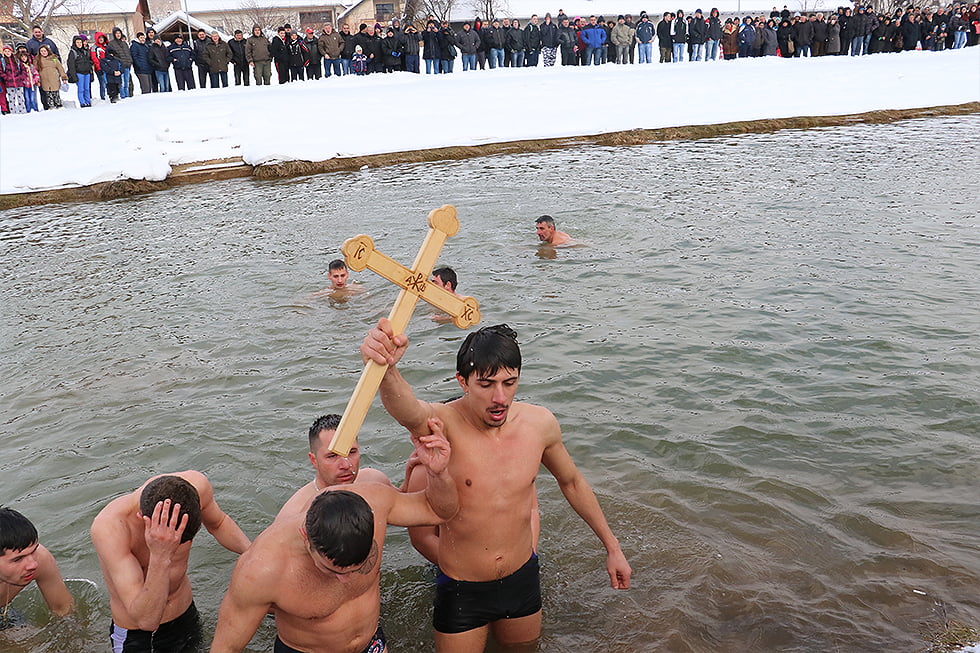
<point>488,351</point>
<point>447,274</point>
<point>340,526</point>
<point>178,491</point>
<point>16,531</point>
<point>323,423</point>
<point>547,219</point>
<point>337,264</point>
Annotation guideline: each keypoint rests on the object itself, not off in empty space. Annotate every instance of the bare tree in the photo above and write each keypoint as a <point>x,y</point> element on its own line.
<point>256,12</point>
<point>488,9</point>
<point>27,13</point>
<point>441,9</point>
<point>80,12</point>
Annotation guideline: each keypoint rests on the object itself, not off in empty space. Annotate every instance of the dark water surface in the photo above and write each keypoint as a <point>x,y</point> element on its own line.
<point>765,360</point>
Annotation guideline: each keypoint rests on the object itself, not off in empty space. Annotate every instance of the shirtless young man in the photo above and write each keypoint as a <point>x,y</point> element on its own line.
<point>143,540</point>
<point>318,571</point>
<point>22,561</point>
<point>498,445</point>
<point>331,469</point>
<point>548,233</point>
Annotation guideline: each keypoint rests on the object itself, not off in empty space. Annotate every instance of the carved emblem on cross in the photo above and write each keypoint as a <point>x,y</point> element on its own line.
<point>359,253</point>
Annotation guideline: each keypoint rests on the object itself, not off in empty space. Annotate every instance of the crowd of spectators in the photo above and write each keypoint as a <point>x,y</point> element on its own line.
<point>114,63</point>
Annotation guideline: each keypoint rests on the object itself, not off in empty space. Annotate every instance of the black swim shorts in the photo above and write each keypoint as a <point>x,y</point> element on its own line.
<point>377,644</point>
<point>181,634</point>
<point>464,605</point>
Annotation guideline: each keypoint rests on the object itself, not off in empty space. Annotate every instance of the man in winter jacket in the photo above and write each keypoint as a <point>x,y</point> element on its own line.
<point>820,34</point>
<point>665,37</point>
<point>37,40</point>
<point>594,37</point>
<point>645,32</point>
<point>314,68</point>
<point>200,48</point>
<point>331,46</point>
<point>238,58</point>
<point>140,53</point>
<point>622,38</point>
<point>803,37</point>
<point>258,56</point>
<point>217,56</point>
<point>714,36</point>
<point>469,43</point>
<point>160,62</point>
<point>532,42</point>
<point>697,34</point>
<point>678,33</point>
<point>280,54</point>
<point>120,48</point>
<point>182,54</point>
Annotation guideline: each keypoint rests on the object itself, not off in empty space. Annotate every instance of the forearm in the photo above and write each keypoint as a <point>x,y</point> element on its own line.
<point>583,500</point>
<point>231,536</point>
<point>147,607</point>
<point>440,492</point>
<point>400,401</point>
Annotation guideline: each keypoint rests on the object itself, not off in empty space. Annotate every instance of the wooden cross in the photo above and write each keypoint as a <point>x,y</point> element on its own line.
<point>359,252</point>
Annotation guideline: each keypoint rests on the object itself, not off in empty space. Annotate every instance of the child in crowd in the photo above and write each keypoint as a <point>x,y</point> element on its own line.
<point>80,69</point>
<point>359,61</point>
<point>51,74</point>
<point>112,69</point>
<point>27,78</point>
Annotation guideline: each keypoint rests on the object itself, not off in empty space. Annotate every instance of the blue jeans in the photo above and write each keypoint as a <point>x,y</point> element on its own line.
<point>124,82</point>
<point>223,76</point>
<point>531,58</point>
<point>858,46</point>
<point>30,99</point>
<point>163,80</point>
<point>517,59</point>
<point>334,65</point>
<point>469,62</point>
<point>345,66</point>
<point>101,77</point>
<point>805,51</point>
<point>959,40</point>
<point>679,49</point>
<point>646,52</point>
<point>496,57</point>
<point>711,50</point>
<point>412,63</point>
<point>593,56</point>
<point>432,66</point>
<point>697,51</point>
<point>447,65</point>
<point>84,89</point>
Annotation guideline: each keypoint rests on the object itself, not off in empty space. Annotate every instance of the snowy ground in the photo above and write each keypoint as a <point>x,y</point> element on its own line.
<point>141,138</point>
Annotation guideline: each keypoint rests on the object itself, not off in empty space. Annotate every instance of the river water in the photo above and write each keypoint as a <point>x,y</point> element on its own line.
<point>765,359</point>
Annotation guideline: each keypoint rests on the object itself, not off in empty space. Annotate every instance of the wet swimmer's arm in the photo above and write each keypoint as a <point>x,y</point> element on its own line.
<point>220,525</point>
<point>245,604</point>
<point>52,585</point>
<point>384,348</point>
<point>440,500</point>
<point>143,596</point>
<point>582,499</point>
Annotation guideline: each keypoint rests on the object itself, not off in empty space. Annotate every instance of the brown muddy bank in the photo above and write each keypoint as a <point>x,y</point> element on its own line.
<point>234,168</point>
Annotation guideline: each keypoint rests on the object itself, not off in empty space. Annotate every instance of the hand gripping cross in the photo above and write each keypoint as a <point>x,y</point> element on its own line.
<point>359,252</point>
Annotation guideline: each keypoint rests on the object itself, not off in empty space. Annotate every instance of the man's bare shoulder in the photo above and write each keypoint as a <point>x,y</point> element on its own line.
<point>371,475</point>
<point>297,503</point>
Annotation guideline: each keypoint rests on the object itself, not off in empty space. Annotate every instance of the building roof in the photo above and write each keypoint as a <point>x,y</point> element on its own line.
<point>98,7</point>
<point>235,6</point>
<point>194,23</point>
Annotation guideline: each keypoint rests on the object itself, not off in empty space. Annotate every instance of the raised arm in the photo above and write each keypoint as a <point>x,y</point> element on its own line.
<point>52,585</point>
<point>384,348</point>
<point>245,604</point>
<point>439,501</point>
<point>580,496</point>
<point>143,596</point>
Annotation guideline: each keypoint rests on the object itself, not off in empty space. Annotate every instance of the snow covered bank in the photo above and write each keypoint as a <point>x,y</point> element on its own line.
<point>143,137</point>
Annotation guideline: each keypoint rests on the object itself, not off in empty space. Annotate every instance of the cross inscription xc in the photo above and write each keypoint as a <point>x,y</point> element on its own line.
<point>359,252</point>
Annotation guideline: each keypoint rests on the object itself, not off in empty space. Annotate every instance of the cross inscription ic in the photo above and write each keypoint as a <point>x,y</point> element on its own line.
<point>359,253</point>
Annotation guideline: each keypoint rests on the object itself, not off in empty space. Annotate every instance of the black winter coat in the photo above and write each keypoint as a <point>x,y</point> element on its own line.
<point>549,35</point>
<point>159,57</point>
<point>697,31</point>
<point>532,37</point>
<point>79,63</point>
<point>238,52</point>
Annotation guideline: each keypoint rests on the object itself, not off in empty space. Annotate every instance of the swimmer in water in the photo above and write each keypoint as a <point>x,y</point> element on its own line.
<point>23,561</point>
